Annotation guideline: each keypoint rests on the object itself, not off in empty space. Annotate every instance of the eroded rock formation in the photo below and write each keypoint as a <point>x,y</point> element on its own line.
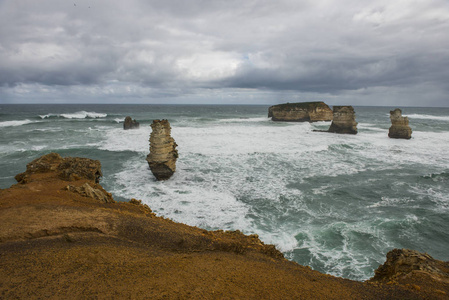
<point>69,168</point>
<point>403,264</point>
<point>130,123</point>
<point>300,112</point>
<point>344,120</point>
<point>399,126</point>
<point>163,153</point>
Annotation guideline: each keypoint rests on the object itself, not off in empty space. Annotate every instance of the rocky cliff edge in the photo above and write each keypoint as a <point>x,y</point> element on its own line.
<point>63,236</point>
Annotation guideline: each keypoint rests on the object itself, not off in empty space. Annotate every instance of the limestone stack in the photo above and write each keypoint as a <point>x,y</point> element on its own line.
<point>399,126</point>
<point>163,153</point>
<point>130,123</point>
<point>344,120</point>
<point>300,112</point>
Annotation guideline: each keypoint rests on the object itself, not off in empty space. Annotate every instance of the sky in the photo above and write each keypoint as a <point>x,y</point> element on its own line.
<point>346,52</point>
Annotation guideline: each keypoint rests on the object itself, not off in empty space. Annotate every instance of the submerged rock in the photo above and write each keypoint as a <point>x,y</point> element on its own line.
<point>130,123</point>
<point>344,120</point>
<point>399,126</point>
<point>163,153</point>
<point>300,112</point>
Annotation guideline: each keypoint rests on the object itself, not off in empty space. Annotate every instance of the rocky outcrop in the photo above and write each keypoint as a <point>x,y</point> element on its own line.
<point>130,123</point>
<point>163,153</point>
<point>86,190</point>
<point>403,264</point>
<point>69,168</point>
<point>344,120</point>
<point>101,250</point>
<point>300,112</point>
<point>399,126</point>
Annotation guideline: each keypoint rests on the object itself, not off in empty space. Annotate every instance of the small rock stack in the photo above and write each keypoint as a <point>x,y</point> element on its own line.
<point>399,126</point>
<point>130,123</point>
<point>344,120</point>
<point>163,153</point>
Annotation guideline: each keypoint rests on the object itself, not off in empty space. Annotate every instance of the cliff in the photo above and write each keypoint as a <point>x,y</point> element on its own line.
<point>399,126</point>
<point>163,153</point>
<point>300,112</point>
<point>56,242</point>
<point>344,120</point>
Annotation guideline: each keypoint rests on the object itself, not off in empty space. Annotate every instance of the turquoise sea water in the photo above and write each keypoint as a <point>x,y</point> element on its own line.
<point>337,203</point>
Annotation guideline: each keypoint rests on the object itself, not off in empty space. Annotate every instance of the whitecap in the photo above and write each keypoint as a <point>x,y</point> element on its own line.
<point>77,115</point>
<point>16,123</point>
<point>427,117</point>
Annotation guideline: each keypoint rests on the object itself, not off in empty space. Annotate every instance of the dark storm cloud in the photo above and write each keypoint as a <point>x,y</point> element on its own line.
<point>209,49</point>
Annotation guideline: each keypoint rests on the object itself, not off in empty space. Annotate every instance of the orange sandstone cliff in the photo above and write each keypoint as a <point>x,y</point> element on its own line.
<point>63,236</point>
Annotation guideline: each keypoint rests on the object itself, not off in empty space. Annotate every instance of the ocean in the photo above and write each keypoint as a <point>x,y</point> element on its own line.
<point>336,203</point>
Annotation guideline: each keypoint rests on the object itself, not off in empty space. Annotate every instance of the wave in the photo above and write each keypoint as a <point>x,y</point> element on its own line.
<point>428,117</point>
<point>77,115</point>
<point>15,123</point>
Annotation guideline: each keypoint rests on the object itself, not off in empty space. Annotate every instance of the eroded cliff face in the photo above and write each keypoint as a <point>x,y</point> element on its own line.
<point>344,120</point>
<point>163,153</point>
<point>399,126</point>
<point>300,112</point>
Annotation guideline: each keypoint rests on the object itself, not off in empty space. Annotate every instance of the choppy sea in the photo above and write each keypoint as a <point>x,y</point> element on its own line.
<point>337,203</point>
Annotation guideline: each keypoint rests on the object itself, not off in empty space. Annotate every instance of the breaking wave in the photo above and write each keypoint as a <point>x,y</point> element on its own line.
<point>77,115</point>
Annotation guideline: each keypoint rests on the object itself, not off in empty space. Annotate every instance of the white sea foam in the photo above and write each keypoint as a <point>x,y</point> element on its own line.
<point>427,117</point>
<point>15,123</point>
<point>77,115</point>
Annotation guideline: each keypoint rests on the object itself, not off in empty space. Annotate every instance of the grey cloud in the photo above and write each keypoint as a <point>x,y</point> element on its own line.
<point>173,49</point>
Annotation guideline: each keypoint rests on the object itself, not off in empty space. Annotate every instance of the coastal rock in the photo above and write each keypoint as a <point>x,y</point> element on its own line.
<point>101,250</point>
<point>300,112</point>
<point>404,264</point>
<point>163,153</point>
<point>69,168</point>
<point>97,193</point>
<point>399,126</point>
<point>130,123</point>
<point>344,120</point>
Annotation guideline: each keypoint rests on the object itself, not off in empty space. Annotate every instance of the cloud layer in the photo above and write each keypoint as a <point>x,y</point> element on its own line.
<point>350,51</point>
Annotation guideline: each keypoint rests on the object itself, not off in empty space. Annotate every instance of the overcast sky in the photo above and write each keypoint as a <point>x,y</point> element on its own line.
<point>356,52</point>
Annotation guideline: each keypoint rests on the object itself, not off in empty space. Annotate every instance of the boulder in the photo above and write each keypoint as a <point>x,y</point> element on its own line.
<point>300,112</point>
<point>163,153</point>
<point>96,193</point>
<point>344,120</point>
<point>407,265</point>
<point>399,126</point>
<point>130,123</point>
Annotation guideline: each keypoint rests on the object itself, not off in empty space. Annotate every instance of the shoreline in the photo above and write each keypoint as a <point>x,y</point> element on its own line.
<point>61,238</point>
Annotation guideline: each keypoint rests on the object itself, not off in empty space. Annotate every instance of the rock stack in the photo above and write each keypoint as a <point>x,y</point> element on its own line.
<point>399,126</point>
<point>163,153</point>
<point>130,123</point>
<point>300,112</point>
<point>344,120</point>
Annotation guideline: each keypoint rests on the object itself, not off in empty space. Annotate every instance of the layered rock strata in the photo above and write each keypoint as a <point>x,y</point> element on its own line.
<point>163,153</point>
<point>399,126</point>
<point>300,112</point>
<point>130,123</point>
<point>344,120</point>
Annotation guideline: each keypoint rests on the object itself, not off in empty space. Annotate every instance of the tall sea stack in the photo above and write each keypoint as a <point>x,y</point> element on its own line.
<point>399,126</point>
<point>344,120</point>
<point>300,112</point>
<point>163,153</point>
